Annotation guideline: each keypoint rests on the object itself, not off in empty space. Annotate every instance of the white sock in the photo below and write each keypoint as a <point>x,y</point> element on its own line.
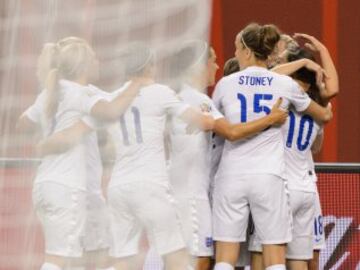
<point>110,268</point>
<point>276,267</point>
<point>223,266</point>
<point>50,266</point>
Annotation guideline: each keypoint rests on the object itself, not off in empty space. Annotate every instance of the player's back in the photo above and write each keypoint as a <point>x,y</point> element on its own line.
<point>139,136</point>
<point>300,131</point>
<point>249,95</point>
<point>190,151</point>
<point>73,105</point>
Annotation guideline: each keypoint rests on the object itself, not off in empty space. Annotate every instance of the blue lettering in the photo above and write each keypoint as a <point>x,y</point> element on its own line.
<point>241,80</point>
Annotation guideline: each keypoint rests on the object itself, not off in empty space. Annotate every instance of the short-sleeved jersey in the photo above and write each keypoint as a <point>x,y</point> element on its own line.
<point>190,152</point>
<point>300,131</point>
<point>249,95</point>
<point>139,136</point>
<point>72,167</point>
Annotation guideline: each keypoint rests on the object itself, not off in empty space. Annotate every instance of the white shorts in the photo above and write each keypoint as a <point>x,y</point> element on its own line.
<point>302,208</point>
<point>96,235</point>
<point>61,211</point>
<point>143,206</point>
<point>264,195</point>
<point>195,217</point>
<point>319,234</point>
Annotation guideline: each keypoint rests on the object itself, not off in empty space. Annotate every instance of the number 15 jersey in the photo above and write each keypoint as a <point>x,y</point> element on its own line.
<point>139,136</point>
<point>247,96</point>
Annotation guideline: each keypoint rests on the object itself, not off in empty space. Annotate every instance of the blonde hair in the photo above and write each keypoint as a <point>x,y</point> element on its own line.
<point>46,61</point>
<point>71,61</point>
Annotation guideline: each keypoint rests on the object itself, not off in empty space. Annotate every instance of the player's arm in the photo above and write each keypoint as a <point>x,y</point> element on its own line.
<point>317,144</point>
<point>202,121</point>
<point>291,67</point>
<point>112,110</point>
<point>331,81</point>
<point>321,115</point>
<point>233,132</point>
<point>64,140</point>
<point>25,125</point>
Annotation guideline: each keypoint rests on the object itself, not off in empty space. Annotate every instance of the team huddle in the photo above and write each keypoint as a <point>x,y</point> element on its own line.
<point>207,183</point>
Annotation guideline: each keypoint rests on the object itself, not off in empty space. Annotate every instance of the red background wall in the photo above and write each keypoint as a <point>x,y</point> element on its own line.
<point>336,23</point>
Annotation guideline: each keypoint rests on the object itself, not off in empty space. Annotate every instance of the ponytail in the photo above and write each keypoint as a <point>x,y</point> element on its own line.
<point>47,61</point>
<point>261,40</point>
<point>52,97</point>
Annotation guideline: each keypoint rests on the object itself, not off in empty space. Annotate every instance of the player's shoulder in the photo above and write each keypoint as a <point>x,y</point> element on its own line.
<point>282,78</point>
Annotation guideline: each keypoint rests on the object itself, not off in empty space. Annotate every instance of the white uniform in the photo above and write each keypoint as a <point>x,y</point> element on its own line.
<point>319,233</point>
<point>252,170</point>
<point>190,174</point>
<point>138,192</point>
<point>299,132</point>
<point>96,234</point>
<point>60,187</point>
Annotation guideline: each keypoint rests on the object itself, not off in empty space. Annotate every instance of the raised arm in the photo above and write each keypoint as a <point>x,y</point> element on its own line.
<point>321,115</point>
<point>233,132</point>
<point>317,144</point>
<point>291,67</point>
<point>331,81</point>
<point>112,110</point>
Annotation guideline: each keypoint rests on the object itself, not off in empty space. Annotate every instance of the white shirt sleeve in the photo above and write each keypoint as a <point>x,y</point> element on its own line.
<point>299,98</point>
<point>35,111</point>
<point>172,104</point>
<point>217,95</point>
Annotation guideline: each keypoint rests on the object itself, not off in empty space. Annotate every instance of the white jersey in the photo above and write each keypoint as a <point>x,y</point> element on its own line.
<point>93,158</point>
<point>139,136</point>
<point>190,152</point>
<point>72,167</point>
<point>300,132</point>
<point>249,95</point>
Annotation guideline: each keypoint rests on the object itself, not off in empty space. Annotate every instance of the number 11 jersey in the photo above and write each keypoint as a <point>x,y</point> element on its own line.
<point>139,136</point>
<point>247,96</point>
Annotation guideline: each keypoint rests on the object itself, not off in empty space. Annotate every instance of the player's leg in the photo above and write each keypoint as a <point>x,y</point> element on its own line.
<point>202,246</point>
<point>61,211</point>
<point>300,249</point>
<point>271,214</point>
<point>96,237</point>
<point>159,215</point>
<point>230,219</point>
<point>313,264</point>
<point>125,228</point>
<point>257,261</point>
<point>319,236</point>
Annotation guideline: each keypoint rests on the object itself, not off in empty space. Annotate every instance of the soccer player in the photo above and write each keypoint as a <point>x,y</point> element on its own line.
<point>299,163</point>
<point>60,188</point>
<point>251,171</point>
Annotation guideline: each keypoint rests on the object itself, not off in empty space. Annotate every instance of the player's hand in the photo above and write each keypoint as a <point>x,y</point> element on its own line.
<point>329,110</point>
<point>320,72</point>
<point>311,42</point>
<point>277,114</point>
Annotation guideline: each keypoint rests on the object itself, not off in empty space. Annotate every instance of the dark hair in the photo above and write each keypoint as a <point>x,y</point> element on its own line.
<point>260,39</point>
<point>305,75</point>
<point>231,66</point>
